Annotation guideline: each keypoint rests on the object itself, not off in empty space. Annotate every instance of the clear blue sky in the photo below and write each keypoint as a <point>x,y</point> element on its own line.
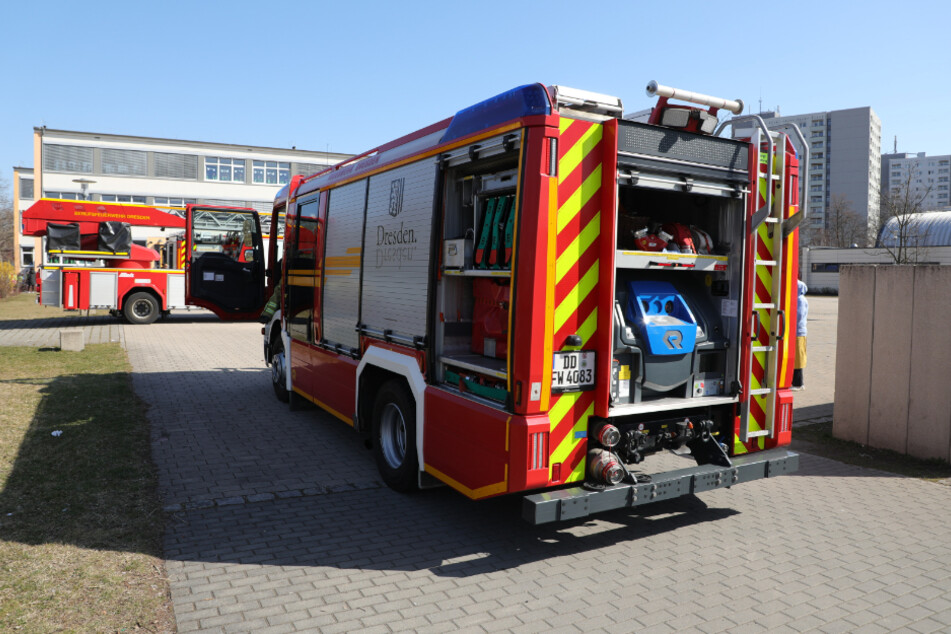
<point>347,76</point>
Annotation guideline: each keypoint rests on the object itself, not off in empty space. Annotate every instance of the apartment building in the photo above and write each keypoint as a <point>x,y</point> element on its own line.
<point>154,171</point>
<point>844,160</point>
<point>927,178</point>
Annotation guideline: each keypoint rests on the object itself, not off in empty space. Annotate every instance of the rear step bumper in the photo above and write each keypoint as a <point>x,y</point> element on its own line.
<point>565,504</point>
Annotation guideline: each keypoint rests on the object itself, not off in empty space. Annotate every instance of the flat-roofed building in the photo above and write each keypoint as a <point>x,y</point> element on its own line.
<point>927,178</point>
<point>154,171</point>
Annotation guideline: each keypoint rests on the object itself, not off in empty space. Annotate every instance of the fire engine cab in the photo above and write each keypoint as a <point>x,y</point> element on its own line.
<point>537,294</point>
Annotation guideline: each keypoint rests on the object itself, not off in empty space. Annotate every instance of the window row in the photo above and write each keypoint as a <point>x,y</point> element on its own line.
<point>232,170</point>
<point>82,160</point>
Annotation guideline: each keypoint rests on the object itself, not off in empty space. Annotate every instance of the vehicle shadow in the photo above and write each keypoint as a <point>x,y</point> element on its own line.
<point>434,530</point>
<point>258,483</point>
<point>810,412</point>
<point>58,322</point>
<point>81,474</point>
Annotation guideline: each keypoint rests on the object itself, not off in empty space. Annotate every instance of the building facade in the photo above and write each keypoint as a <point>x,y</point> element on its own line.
<point>844,160</point>
<point>927,178</point>
<point>152,171</point>
<point>23,197</point>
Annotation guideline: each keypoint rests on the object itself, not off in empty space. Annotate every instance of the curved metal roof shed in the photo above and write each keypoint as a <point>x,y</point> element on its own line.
<point>927,229</point>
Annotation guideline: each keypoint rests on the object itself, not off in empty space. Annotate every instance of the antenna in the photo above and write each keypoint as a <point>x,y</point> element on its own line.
<point>895,148</point>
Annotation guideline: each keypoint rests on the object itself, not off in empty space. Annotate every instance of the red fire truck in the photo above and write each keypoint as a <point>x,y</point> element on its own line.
<point>537,293</point>
<point>214,259</point>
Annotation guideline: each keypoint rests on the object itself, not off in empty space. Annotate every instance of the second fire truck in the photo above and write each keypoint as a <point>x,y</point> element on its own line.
<point>212,257</point>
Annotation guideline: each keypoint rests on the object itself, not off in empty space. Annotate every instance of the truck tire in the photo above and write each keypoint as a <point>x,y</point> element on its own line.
<point>141,308</point>
<point>394,437</point>
<point>279,370</point>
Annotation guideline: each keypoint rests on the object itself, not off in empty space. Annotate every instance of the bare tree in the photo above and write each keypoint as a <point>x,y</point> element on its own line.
<point>7,223</point>
<point>843,226</point>
<point>900,205</point>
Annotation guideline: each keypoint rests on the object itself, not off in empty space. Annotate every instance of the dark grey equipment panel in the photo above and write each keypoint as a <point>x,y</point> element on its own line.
<point>659,149</point>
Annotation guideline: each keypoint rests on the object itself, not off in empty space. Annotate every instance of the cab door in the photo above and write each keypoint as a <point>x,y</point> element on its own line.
<point>224,262</point>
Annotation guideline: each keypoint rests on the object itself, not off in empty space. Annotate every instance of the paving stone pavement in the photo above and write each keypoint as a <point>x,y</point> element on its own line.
<point>277,522</point>
<point>815,402</point>
<point>44,333</point>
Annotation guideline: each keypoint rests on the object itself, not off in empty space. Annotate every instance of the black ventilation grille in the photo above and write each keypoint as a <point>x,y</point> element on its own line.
<point>648,140</point>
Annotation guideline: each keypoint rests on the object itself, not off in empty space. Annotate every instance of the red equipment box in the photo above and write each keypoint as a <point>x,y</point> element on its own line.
<point>490,318</point>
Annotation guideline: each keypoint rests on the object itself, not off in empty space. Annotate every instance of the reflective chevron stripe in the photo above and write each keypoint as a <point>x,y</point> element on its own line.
<point>577,266</point>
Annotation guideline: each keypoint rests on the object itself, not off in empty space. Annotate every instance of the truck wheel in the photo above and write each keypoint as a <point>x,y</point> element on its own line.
<point>394,437</point>
<point>141,308</point>
<point>279,370</point>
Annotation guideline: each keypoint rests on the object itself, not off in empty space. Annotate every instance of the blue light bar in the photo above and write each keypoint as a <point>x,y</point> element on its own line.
<point>523,101</point>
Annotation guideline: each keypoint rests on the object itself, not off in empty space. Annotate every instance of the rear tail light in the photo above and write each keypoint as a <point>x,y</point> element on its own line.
<point>538,450</point>
<point>604,467</point>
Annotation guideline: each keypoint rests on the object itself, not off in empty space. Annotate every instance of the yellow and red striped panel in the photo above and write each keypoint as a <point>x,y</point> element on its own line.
<point>578,231</point>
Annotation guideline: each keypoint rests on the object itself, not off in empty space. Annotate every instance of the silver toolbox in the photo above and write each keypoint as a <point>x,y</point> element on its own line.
<point>457,254</point>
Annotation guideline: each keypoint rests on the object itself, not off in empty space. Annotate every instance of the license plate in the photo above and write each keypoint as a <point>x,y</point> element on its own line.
<point>572,371</point>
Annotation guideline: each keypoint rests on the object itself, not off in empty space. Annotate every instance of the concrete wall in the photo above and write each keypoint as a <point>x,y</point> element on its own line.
<point>893,352</point>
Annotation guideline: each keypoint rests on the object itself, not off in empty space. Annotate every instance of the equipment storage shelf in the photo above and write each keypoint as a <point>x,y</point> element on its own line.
<point>668,404</point>
<point>670,261</point>
<point>495,368</point>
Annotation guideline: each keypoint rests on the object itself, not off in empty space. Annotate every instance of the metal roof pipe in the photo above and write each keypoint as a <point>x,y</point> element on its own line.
<point>658,90</point>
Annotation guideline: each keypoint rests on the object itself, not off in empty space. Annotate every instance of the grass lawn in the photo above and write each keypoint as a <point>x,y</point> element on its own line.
<point>24,306</point>
<point>80,523</point>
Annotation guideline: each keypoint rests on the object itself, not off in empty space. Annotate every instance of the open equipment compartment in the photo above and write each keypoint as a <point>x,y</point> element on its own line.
<point>474,287</point>
<point>678,269</point>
